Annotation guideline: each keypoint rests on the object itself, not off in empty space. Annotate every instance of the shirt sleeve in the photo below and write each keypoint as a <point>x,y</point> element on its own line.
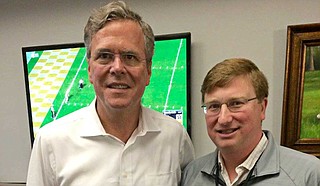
<point>313,172</point>
<point>187,151</point>
<point>41,166</point>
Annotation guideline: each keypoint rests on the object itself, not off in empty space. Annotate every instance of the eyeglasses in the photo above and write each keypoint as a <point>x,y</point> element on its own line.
<point>234,105</point>
<point>128,58</point>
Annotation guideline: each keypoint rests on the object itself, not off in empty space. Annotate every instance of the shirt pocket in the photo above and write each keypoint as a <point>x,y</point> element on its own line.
<point>164,179</point>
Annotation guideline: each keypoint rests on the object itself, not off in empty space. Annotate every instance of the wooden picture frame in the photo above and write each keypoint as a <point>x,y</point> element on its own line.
<point>301,39</point>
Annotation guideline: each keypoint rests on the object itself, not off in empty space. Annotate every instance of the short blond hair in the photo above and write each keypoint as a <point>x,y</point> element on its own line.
<point>224,72</point>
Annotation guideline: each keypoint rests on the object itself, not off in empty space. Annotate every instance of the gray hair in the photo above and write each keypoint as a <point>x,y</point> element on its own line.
<point>117,10</point>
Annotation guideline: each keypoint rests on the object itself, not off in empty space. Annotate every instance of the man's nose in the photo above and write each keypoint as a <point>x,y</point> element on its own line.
<point>225,114</point>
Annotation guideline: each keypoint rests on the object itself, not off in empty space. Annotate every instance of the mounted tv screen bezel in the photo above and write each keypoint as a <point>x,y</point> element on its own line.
<point>171,62</point>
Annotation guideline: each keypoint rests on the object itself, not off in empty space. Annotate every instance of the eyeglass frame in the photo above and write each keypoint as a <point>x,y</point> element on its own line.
<point>244,100</point>
<point>123,56</point>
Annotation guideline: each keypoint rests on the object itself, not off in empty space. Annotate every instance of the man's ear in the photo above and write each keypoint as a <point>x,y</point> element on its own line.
<point>149,71</point>
<point>264,104</point>
<point>89,71</point>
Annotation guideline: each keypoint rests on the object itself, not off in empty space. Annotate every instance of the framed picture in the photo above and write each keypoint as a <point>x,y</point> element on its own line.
<point>57,83</point>
<point>301,99</point>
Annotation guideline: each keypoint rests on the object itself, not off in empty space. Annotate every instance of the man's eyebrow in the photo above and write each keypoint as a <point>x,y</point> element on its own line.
<point>213,101</point>
<point>101,50</point>
<point>236,98</point>
<point>230,99</point>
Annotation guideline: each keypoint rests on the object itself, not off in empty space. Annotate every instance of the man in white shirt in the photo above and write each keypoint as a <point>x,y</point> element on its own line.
<point>114,141</point>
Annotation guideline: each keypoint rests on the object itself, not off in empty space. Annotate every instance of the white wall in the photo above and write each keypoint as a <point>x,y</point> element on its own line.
<point>220,29</point>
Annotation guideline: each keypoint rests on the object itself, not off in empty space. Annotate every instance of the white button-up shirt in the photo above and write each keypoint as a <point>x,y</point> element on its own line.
<point>76,150</point>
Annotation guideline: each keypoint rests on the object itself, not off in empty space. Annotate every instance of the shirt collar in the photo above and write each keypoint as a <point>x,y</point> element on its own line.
<point>147,120</point>
<point>267,164</point>
<point>91,125</point>
<point>252,158</point>
<point>255,154</point>
<point>243,169</point>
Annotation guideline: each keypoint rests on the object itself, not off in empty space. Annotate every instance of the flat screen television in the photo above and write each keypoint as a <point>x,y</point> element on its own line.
<point>57,84</point>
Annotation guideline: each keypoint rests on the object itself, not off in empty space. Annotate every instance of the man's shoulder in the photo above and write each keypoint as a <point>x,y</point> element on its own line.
<point>298,159</point>
<point>290,158</point>
<point>156,114</point>
<point>162,120</point>
<point>198,164</point>
<point>301,168</point>
<point>193,173</point>
<point>64,124</point>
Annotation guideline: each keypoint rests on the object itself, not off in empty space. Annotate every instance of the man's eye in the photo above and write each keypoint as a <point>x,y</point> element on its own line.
<point>236,103</point>
<point>105,56</point>
<point>129,57</point>
<point>214,106</point>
